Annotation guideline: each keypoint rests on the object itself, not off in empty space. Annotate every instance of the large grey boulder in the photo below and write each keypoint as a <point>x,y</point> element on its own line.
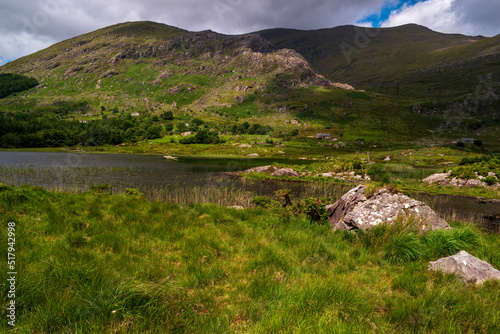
<point>467,267</point>
<point>355,211</point>
<point>345,204</point>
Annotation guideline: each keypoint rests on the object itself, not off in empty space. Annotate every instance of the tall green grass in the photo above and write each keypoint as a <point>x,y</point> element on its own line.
<point>96,262</point>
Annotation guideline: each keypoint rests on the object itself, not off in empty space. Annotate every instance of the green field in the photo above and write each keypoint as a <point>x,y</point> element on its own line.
<point>99,263</point>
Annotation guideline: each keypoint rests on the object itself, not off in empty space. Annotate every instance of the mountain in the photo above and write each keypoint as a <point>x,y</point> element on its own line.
<point>150,68</point>
<point>149,65</point>
<point>409,60</point>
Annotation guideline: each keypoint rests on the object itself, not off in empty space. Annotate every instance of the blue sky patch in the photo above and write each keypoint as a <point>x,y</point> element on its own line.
<point>376,19</point>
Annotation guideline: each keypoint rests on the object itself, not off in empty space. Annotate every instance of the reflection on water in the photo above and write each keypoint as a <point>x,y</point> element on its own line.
<point>194,180</point>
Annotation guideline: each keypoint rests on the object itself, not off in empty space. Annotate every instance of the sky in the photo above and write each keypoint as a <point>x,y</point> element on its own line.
<point>27,26</point>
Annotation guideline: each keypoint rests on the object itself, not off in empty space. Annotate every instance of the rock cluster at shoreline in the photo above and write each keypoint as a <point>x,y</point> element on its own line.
<point>445,179</point>
<point>275,171</point>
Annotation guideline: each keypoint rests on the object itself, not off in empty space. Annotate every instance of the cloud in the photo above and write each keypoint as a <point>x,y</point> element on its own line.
<point>450,16</point>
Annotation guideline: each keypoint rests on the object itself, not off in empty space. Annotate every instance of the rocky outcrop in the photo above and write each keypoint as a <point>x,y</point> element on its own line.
<point>467,267</point>
<point>261,169</point>
<point>438,178</point>
<point>355,211</point>
<point>445,179</point>
<point>347,176</point>
<point>285,172</point>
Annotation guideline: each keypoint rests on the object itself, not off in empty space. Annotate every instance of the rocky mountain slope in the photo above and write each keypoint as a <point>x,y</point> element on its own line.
<point>409,60</point>
<point>152,64</point>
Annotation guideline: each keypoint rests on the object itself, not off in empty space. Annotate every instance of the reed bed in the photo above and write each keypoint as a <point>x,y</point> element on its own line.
<point>220,190</point>
<point>213,189</point>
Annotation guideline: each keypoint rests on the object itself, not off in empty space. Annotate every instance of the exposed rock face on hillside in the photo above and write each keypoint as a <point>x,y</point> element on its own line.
<point>190,53</point>
<point>467,267</point>
<point>193,45</point>
<point>355,211</point>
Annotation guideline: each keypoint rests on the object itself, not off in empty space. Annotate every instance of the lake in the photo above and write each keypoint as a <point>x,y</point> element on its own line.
<point>194,180</point>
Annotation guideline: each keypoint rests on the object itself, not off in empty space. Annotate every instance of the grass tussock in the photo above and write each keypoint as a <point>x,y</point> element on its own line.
<point>117,263</point>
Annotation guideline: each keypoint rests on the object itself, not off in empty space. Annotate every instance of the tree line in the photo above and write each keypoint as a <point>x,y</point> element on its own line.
<point>38,129</point>
<point>26,130</point>
<point>13,83</point>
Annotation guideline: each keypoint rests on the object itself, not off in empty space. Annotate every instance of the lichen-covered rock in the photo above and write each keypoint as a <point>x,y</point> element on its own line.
<point>345,204</point>
<point>438,178</point>
<point>472,183</point>
<point>467,267</point>
<point>260,169</point>
<point>355,211</point>
<point>285,172</point>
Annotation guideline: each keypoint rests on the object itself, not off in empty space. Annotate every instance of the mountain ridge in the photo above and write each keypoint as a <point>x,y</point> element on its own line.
<point>378,59</point>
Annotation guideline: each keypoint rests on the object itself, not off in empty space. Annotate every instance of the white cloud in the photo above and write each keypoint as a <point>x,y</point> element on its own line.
<point>13,46</point>
<point>447,16</point>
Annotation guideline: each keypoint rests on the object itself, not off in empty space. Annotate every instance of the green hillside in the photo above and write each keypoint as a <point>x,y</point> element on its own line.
<point>149,66</point>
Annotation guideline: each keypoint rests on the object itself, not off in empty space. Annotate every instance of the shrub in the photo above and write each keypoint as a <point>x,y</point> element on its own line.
<point>102,188</point>
<point>181,126</point>
<point>376,172</point>
<point>315,210</point>
<point>203,137</point>
<point>284,196</point>
<point>167,115</point>
<point>133,192</point>
<point>491,180</point>
<point>262,201</point>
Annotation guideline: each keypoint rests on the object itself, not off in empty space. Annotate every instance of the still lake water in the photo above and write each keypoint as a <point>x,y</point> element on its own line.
<point>192,180</point>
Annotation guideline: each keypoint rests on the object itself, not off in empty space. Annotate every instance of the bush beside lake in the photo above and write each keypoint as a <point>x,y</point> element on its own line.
<point>101,263</point>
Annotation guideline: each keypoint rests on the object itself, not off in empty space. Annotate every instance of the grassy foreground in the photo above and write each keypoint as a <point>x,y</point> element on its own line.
<point>100,263</point>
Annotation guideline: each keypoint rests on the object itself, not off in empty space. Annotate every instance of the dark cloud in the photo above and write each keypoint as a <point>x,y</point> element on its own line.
<point>29,25</point>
